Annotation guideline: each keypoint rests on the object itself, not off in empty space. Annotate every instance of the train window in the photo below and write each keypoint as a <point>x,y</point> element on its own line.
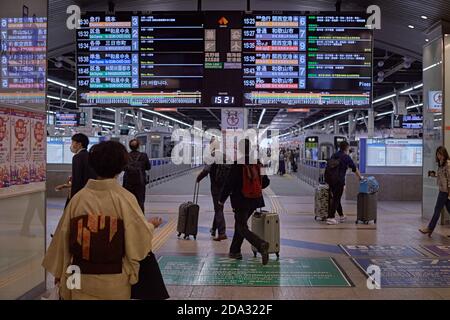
<point>337,142</point>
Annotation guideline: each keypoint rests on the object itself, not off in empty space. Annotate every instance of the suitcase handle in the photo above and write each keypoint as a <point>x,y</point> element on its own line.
<point>196,192</point>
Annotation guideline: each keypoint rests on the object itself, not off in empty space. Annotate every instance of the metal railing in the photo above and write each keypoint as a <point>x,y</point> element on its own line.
<point>311,171</point>
<point>163,169</point>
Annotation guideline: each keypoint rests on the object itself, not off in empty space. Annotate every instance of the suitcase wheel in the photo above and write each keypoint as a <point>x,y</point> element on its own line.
<point>195,237</point>
<point>278,255</point>
<point>254,254</point>
<point>375,221</point>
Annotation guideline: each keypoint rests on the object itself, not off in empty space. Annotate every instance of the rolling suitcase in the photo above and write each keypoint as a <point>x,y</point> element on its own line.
<point>188,216</point>
<point>267,226</point>
<point>366,208</point>
<point>321,202</point>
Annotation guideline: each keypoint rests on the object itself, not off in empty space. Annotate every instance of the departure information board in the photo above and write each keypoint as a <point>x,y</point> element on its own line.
<point>23,60</point>
<point>231,58</point>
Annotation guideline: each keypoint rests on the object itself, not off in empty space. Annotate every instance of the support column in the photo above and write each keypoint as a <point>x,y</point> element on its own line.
<point>89,116</point>
<point>370,123</point>
<point>117,122</point>
<point>351,126</point>
<point>336,126</point>
<point>139,125</point>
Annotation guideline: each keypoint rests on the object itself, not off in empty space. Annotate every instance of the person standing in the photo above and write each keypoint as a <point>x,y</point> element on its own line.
<point>244,186</point>
<point>135,177</point>
<point>104,234</point>
<point>335,174</point>
<point>81,170</point>
<point>443,181</point>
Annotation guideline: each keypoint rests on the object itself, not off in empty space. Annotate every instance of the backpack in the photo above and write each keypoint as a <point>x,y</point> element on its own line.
<point>251,181</point>
<point>134,171</point>
<point>332,171</point>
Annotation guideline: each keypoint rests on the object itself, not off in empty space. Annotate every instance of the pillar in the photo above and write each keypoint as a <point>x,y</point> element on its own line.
<point>370,124</point>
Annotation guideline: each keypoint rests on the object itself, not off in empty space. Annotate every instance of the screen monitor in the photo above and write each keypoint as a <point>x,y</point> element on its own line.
<point>224,58</point>
<point>394,152</point>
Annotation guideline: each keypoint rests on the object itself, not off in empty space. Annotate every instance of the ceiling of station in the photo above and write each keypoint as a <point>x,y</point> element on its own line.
<point>395,42</point>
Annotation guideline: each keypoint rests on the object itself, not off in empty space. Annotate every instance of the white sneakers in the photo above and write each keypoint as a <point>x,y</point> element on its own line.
<point>334,221</point>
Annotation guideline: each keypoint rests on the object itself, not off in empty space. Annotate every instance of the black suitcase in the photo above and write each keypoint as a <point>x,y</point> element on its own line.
<point>188,216</point>
<point>366,208</point>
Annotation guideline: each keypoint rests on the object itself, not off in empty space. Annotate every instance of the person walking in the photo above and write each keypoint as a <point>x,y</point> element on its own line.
<point>135,177</point>
<point>218,174</point>
<point>443,181</point>
<point>244,186</point>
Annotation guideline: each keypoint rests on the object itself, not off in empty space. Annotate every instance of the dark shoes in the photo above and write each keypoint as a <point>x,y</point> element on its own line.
<point>212,232</point>
<point>221,237</point>
<point>237,256</point>
<point>426,231</point>
<point>264,250</point>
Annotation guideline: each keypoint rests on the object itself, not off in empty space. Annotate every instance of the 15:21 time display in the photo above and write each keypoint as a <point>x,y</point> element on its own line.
<point>223,100</point>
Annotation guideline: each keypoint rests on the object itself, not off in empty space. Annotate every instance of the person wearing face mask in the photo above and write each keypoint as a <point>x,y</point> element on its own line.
<point>81,170</point>
<point>343,163</point>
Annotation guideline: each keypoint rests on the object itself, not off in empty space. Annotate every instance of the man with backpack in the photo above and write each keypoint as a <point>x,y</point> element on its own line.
<point>218,174</point>
<point>244,186</point>
<point>135,178</point>
<point>335,173</point>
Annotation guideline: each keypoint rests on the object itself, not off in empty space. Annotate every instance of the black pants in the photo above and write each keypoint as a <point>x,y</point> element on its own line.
<point>336,192</point>
<point>139,193</point>
<point>241,231</point>
<point>219,218</point>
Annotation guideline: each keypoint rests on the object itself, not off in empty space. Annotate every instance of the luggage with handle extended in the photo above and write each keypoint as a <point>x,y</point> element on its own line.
<point>321,202</point>
<point>366,208</point>
<point>267,226</point>
<point>188,216</point>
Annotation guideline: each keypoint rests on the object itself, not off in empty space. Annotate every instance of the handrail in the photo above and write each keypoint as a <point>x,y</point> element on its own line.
<point>311,171</point>
<point>163,169</point>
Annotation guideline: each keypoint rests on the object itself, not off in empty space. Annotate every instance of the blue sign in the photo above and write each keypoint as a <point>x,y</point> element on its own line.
<point>438,250</point>
<point>410,272</point>
<point>399,251</point>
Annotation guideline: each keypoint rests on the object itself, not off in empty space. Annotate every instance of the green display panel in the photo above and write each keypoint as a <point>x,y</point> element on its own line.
<point>222,271</point>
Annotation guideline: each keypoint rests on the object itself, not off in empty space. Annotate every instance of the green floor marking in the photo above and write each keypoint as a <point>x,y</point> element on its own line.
<point>218,271</point>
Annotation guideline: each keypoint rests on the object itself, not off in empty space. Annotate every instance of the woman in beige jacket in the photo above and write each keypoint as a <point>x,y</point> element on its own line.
<point>443,181</point>
<point>102,232</point>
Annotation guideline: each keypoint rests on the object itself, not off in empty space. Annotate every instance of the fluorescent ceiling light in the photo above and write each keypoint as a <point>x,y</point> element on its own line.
<point>432,66</point>
<point>61,84</point>
<point>407,90</point>
<point>63,99</point>
<point>260,118</point>
<point>424,17</point>
<point>103,122</point>
<point>418,86</point>
<point>384,113</point>
<point>411,26</point>
<point>384,98</point>
<point>167,117</point>
<point>327,118</point>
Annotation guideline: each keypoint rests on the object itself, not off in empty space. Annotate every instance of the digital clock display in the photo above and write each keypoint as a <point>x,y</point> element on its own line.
<point>228,100</point>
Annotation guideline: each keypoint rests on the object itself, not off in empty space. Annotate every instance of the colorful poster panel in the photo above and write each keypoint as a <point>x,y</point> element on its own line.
<point>5,146</point>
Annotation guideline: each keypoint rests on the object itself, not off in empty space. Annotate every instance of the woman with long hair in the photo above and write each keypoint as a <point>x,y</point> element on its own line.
<point>443,181</point>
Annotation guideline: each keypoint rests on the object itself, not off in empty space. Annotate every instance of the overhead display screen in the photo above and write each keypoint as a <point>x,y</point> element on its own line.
<point>65,119</point>
<point>214,59</point>
<point>23,60</point>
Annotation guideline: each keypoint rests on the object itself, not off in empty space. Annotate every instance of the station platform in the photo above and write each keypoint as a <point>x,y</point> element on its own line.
<point>313,257</point>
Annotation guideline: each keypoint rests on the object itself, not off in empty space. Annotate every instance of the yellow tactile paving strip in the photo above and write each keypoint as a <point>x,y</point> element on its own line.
<point>164,234</point>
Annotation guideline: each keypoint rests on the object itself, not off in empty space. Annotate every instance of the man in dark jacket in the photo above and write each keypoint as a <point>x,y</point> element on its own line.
<point>217,174</point>
<point>243,207</point>
<point>81,170</point>
<point>134,179</point>
<point>337,187</point>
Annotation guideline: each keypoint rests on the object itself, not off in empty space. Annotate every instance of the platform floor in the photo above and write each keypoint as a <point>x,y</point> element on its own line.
<point>303,239</point>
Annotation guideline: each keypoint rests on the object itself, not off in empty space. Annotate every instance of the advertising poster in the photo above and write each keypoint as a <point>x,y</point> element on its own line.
<point>5,154</point>
<point>38,147</point>
<point>435,101</point>
<point>20,148</point>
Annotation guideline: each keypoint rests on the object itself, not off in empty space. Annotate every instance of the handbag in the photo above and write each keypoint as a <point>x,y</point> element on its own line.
<point>150,285</point>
